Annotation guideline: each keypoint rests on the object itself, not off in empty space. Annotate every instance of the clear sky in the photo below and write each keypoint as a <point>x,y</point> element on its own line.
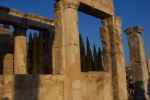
<point>133,13</point>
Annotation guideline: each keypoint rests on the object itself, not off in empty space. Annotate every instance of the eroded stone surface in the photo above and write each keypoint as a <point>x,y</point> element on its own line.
<point>148,66</point>
<point>96,86</point>
<point>32,87</point>
<point>138,61</point>
<point>113,55</point>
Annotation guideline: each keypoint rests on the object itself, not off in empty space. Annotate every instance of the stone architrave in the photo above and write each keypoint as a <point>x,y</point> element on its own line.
<point>138,62</point>
<point>113,55</point>
<point>66,49</point>
<point>20,50</point>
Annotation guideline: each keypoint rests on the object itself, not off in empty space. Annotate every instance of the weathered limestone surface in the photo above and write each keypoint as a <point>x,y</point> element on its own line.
<point>113,55</point>
<point>31,87</point>
<point>97,8</point>
<point>20,50</point>
<point>66,54</point>
<point>6,52</point>
<point>148,66</point>
<point>96,86</point>
<point>138,61</point>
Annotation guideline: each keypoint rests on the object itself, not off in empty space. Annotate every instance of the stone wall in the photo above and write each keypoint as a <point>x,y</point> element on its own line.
<point>96,86</point>
<point>31,87</point>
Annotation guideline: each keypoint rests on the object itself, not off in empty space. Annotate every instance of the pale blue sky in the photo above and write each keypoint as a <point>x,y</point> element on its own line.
<point>133,13</point>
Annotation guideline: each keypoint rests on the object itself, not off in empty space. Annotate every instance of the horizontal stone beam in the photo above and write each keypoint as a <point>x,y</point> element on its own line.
<point>33,21</point>
<point>97,8</point>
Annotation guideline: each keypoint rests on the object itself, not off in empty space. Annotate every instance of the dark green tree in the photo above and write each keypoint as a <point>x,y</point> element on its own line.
<point>29,54</point>
<point>34,55</point>
<point>95,61</point>
<point>40,54</point>
<point>82,55</point>
<point>100,67</point>
<point>6,26</point>
<point>89,59</point>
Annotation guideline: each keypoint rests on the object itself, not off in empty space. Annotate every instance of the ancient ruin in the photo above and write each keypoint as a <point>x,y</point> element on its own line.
<point>67,80</point>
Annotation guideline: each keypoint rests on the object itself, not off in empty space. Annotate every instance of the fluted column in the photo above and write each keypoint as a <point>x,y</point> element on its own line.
<point>66,49</point>
<point>113,55</point>
<point>20,50</point>
<point>138,62</point>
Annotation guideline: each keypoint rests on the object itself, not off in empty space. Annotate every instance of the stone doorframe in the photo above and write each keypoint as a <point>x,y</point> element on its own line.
<point>66,48</point>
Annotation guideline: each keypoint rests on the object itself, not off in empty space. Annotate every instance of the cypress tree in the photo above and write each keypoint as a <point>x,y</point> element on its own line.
<point>6,26</point>
<point>100,67</point>
<point>34,55</point>
<point>95,61</point>
<point>89,57</point>
<point>29,54</point>
<point>40,54</point>
<point>82,55</point>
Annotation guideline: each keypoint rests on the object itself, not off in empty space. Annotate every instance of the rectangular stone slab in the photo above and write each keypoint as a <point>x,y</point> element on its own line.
<point>97,8</point>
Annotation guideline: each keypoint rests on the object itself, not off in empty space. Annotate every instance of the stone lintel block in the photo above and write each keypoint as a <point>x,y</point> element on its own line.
<point>31,16</point>
<point>15,12</point>
<point>5,31</point>
<point>105,6</point>
<point>136,29</point>
<point>48,21</point>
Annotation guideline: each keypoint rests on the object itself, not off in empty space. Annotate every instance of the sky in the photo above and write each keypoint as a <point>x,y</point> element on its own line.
<point>132,12</point>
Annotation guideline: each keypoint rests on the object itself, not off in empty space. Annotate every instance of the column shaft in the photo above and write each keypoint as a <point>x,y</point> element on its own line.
<point>20,52</point>
<point>111,36</point>
<point>66,49</point>
<point>138,62</point>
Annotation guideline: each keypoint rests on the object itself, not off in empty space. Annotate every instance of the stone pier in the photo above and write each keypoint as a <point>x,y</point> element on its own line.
<point>20,50</point>
<point>138,62</point>
<point>113,55</point>
<point>66,49</point>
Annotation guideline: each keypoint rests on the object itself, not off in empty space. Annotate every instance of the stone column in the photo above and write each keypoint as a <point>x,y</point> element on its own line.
<point>138,62</point>
<point>66,49</point>
<point>20,50</point>
<point>113,55</point>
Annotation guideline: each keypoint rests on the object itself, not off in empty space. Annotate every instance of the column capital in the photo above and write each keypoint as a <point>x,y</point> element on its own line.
<point>67,4</point>
<point>136,29</point>
<point>128,30</point>
<point>20,29</point>
<point>112,20</point>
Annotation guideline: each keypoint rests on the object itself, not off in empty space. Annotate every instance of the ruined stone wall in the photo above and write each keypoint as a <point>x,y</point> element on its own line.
<point>31,87</point>
<point>6,52</point>
<point>96,86</point>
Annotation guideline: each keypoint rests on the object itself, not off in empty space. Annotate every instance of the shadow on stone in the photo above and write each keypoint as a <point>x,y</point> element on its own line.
<point>26,87</point>
<point>139,91</point>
